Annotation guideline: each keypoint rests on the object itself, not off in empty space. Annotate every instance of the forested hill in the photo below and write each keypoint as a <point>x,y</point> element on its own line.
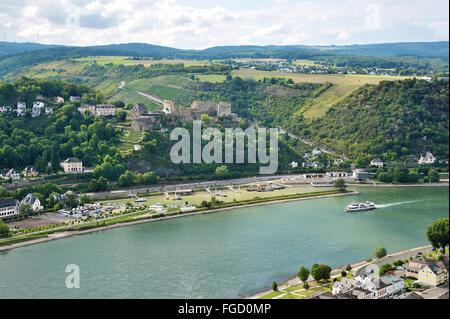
<point>428,56</point>
<point>392,120</point>
<point>7,48</point>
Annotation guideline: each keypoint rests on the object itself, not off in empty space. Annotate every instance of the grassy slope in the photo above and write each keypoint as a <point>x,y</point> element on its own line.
<point>343,85</point>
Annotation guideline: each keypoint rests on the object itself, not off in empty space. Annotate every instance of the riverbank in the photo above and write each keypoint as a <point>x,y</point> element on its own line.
<point>289,286</point>
<point>443,184</point>
<point>149,218</point>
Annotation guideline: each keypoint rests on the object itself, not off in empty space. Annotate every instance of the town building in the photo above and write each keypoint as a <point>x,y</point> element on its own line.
<point>105,110</point>
<point>84,108</point>
<point>369,287</point>
<point>428,158</point>
<point>72,165</point>
<point>294,164</point>
<point>33,201</point>
<point>218,111</point>
<point>9,173</point>
<point>337,174</point>
<point>58,99</point>
<point>316,151</point>
<point>62,198</point>
<point>36,109</point>
<point>21,108</point>
<point>377,162</point>
<point>337,161</point>
<point>146,121</point>
<point>5,109</point>
<point>138,110</point>
<point>433,274</point>
<point>75,99</point>
<point>360,175</point>
<point>414,266</point>
<point>8,207</point>
<point>48,110</point>
<point>30,171</point>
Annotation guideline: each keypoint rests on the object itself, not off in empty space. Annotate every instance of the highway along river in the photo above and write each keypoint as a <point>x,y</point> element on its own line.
<point>226,254</point>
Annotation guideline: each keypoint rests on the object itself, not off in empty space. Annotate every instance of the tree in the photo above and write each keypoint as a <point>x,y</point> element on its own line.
<point>340,184</point>
<point>384,178</point>
<point>321,272</point>
<point>222,171</point>
<point>274,286</point>
<point>4,229</point>
<point>433,176</point>
<point>85,199</point>
<point>127,179</point>
<point>401,174</point>
<point>348,268</point>
<point>380,252</point>
<point>437,233</point>
<point>71,200</point>
<point>303,274</point>
<point>343,273</point>
<point>25,210</point>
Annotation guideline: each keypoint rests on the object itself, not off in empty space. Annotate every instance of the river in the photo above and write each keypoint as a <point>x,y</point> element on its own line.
<point>223,255</point>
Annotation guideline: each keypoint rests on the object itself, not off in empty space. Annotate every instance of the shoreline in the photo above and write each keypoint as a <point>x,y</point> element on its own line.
<point>64,234</point>
<point>355,266</point>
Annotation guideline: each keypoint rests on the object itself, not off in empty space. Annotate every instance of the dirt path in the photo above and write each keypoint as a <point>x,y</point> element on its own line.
<point>151,97</point>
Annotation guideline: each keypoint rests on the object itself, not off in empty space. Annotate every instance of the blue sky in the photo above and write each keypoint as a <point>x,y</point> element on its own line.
<point>197,24</point>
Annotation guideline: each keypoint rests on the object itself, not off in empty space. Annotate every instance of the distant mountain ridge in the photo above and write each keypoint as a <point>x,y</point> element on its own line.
<point>7,48</point>
<point>426,49</point>
<point>425,55</point>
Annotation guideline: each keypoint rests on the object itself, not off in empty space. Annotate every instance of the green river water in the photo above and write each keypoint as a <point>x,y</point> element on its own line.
<point>228,254</point>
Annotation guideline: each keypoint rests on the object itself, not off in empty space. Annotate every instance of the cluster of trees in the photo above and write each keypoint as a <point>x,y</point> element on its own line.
<point>318,272</point>
<point>129,178</point>
<point>52,138</point>
<point>405,175</point>
<point>391,120</point>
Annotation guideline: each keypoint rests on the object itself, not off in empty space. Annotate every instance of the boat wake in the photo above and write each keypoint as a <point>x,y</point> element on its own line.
<point>393,204</point>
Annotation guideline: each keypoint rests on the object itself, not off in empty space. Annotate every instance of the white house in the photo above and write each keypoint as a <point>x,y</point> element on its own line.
<point>8,173</point>
<point>294,164</point>
<point>370,287</point>
<point>377,162</point>
<point>427,159</point>
<point>360,175</point>
<point>75,99</point>
<point>21,108</point>
<point>105,110</point>
<point>33,201</point>
<point>8,207</point>
<point>72,165</point>
<point>316,151</point>
<point>37,108</point>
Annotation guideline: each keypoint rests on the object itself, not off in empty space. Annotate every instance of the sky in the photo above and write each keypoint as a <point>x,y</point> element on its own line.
<point>198,24</point>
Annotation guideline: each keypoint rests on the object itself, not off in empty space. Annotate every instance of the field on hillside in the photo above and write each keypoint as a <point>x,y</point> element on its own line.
<point>102,60</point>
<point>132,96</point>
<point>316,78</point>
<point>305,62</point>
<point>343,85</point>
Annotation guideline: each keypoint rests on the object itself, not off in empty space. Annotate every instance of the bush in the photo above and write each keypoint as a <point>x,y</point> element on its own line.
<point>348,268</point>
<point>274,286</point>
<point>380,252</point>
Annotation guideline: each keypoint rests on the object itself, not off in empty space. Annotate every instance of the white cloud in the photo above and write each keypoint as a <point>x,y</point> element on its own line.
<point>174,23</point>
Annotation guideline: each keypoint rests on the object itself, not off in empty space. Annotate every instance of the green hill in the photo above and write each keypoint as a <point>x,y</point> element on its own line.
<point>391,120</point>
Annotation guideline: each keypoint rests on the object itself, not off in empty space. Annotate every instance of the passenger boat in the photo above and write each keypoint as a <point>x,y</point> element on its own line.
<point>140,200</point>
<point>359,207</point>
